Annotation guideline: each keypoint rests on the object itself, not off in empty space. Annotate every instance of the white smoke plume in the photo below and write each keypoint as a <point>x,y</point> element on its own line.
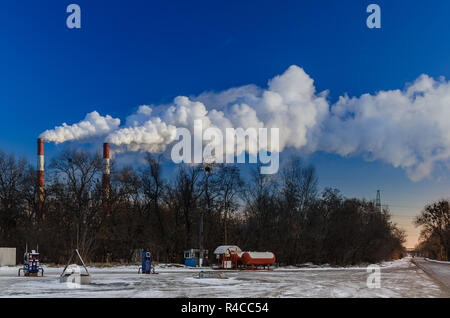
<point>406,128</point>
<point>289,103</point>
<point>93,125</point>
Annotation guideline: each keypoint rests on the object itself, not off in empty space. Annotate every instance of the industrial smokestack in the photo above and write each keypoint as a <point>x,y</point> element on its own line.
<point>107,170</point>
<point>40,173</point>
<point>106,174</point>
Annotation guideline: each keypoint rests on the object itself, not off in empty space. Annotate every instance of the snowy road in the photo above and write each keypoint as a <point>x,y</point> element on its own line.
<point>440,271</point>
<point>398,279</point>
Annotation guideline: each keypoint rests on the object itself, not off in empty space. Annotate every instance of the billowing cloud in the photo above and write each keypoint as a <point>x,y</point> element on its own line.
<point>289,103</point>
<point>92,126</point>
<point>406,128</point>
<point>153,136</point>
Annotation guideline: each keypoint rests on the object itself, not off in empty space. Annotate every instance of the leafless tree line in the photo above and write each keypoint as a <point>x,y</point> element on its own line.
<point>285,214</point>
<point>435,234</point>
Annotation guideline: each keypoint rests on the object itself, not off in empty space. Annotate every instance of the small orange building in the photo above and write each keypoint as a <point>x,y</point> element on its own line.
<point>227,256</point>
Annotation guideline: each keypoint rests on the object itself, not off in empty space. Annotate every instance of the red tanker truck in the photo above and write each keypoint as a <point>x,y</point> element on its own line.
<point>254,260</point>
<point>231,257</point>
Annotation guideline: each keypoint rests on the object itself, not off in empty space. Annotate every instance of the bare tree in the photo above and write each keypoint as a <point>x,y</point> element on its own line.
<point>283,214</point>
<point>153,188</point>
<point>435,220</point>
<point>13,208</point>
<point>230,185</point>
<point>298,192</point>
<point>184,200</point>
<point>77,173</point>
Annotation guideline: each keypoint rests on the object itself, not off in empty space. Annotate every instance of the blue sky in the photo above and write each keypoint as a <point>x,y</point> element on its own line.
<point>148,52</point>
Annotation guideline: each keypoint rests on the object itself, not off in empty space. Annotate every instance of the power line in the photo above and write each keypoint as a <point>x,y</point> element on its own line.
<point>406,206</point>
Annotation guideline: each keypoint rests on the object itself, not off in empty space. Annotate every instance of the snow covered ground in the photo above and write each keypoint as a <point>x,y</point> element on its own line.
<point>438,270</point>
<point>435,261</point>
<point>398,279</point>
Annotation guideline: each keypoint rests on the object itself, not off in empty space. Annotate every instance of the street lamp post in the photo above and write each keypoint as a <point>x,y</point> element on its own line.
<point>207,169</point>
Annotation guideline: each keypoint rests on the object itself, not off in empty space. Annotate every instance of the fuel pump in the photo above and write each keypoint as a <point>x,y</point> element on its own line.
<point>146,262</point>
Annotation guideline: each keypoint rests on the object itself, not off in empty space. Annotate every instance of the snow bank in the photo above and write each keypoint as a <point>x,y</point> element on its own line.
<point>436,261</point>
<point>404,262</point>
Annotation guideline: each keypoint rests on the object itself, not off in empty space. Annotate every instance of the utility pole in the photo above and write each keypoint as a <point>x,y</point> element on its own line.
<point>378,201</point>
<point>226,231</point>
<point>200,261</point>
<point>207,169</point>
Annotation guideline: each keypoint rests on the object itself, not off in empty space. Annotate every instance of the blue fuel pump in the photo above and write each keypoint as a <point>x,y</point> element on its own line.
<point>146,266</point>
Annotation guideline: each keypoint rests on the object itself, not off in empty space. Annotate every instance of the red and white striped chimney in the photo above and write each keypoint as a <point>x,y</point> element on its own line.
<point>107,170</point>
<point>40,172</point>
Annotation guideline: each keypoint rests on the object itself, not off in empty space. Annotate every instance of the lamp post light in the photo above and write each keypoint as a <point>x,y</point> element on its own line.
<point>207,168</point>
